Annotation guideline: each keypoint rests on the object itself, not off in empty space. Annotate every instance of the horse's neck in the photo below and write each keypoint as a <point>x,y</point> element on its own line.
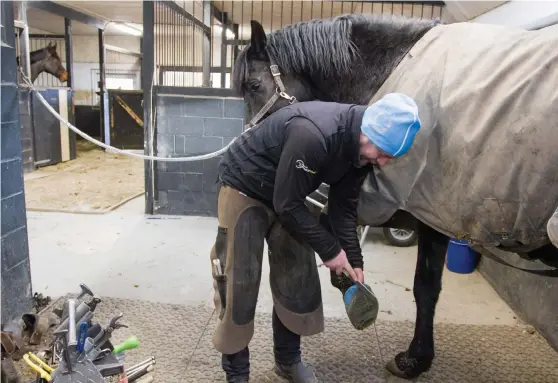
<point>36,69</point>
<point>381,49</point>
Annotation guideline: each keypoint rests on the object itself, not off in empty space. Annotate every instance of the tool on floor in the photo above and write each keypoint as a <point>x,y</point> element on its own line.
<point>94,331</point>
<point>82,349</point>
<point>128,344</point>
<point>147,362</point>
<point>37,325</point>
<point>59,311</point>
<point>82,309</point>
<point>141,369</point>
<point>139,373</point>
<point>82,336</point>
<point>84,290</point>
<point>43,369</point>
<point>65,352</point>
<point>105,335</point>
<point>101,354</point>
<point>72,336</point>
<point>361,304</point>
<point>93,348</point>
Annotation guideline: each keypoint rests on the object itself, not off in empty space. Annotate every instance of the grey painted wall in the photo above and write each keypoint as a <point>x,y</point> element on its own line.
<point>187,126</point>
<point>16,275</point>
<point>534,298</point>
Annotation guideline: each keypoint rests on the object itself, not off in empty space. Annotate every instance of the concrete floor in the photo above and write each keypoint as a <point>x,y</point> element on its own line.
<point>155,270</point>
<point>125,254</point>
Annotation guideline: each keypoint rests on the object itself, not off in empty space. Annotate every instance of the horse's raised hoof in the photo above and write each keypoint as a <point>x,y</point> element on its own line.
<point>406,367</point>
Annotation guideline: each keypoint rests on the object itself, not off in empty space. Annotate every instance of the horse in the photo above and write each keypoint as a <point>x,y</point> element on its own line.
<point>355,58</point>
<point>46,60</point>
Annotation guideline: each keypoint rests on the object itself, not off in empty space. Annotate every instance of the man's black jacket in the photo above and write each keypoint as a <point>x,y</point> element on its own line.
<point>288,155</point>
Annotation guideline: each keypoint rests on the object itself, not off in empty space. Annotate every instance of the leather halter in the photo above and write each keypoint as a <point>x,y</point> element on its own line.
<point>280,92</point>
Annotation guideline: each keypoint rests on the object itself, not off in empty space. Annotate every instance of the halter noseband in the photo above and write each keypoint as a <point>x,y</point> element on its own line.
<point>280,92</point>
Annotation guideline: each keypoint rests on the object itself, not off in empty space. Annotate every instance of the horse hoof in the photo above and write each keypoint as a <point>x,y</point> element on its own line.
<point>392,367</point>
<point>406,367</point>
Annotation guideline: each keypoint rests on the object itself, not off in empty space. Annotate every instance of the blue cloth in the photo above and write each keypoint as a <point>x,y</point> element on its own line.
<point>392,123</point>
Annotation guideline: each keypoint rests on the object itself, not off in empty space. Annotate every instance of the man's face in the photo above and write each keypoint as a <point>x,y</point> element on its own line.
<point>371,154</point>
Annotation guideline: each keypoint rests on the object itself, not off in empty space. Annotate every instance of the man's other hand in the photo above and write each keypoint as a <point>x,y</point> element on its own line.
<point>360,275</point>
<point>339,263</point>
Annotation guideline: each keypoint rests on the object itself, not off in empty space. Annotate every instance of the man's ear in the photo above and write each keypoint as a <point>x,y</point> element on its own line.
<point>258,39</point>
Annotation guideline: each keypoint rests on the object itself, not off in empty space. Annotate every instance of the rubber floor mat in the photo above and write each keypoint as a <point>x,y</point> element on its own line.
<point>179,337</point>
<point>465,353</point>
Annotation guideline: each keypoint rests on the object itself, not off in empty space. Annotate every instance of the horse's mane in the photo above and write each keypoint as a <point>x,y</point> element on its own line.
<point>322,47</point>
<point>318,46</point>
<point>327,41</point>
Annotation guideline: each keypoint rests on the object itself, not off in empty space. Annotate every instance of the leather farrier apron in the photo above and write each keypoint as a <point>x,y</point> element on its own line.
<point>244,223</point>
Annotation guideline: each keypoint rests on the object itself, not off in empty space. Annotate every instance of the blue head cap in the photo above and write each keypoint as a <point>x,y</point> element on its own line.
<point>392,123</point>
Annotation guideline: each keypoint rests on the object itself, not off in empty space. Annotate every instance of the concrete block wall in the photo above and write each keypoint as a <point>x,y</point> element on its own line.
<point>188,126</point>
<point>16,275</point>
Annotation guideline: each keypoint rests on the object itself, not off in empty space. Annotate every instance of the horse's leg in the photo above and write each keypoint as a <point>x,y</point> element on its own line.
<point>432,247</point>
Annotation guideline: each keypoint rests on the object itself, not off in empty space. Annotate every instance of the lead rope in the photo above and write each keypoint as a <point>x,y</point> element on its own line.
<point>112,148</point>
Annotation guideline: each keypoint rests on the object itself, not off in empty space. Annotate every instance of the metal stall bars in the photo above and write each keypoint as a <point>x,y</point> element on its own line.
<point>182,34</point>
<point>183,30</point>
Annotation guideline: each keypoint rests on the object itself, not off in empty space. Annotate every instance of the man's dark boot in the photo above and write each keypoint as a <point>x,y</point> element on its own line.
<point>238,379</point>
<point>237,366</point>
<point>296,373</point>
<point>286,348</point>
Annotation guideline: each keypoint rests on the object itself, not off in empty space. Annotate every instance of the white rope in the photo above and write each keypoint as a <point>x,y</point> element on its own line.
<point>120,151</point>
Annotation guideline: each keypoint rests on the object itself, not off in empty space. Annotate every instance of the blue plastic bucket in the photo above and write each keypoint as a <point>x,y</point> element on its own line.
<point>460,257</point>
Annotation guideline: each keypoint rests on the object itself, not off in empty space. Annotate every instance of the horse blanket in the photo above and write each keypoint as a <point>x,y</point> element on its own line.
<point>484,166</point>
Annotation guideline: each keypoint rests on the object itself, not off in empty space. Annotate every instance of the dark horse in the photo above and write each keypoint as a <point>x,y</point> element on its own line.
<point>347,59</point>
<point>46,60</point>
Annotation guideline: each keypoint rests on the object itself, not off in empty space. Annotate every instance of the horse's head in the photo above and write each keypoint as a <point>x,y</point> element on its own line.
<point>53,64</point>
<point>260,80</point>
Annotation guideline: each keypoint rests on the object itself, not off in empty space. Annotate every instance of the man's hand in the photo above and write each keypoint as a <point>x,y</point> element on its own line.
<point>339,263</point>
<point>360,275</point>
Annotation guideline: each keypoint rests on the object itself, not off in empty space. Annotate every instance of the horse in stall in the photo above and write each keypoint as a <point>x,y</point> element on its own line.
<point>484,166</point>
<point>46,60</point>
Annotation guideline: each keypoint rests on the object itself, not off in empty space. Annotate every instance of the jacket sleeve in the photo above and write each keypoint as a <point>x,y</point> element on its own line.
<point>298,174</point>
<point>342,212</point>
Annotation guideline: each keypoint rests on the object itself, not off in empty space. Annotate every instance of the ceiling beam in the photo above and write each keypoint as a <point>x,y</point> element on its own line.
<point>67,12</point>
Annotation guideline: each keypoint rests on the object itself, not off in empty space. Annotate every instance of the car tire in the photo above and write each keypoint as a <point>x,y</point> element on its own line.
<point>400,237</point>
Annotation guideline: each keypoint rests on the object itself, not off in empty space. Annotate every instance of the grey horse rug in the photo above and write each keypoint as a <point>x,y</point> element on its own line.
<point>484,166</point>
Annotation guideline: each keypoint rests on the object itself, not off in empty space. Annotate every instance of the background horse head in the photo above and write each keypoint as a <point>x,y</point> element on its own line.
<point>46,60</point>
<point>343,59</point>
